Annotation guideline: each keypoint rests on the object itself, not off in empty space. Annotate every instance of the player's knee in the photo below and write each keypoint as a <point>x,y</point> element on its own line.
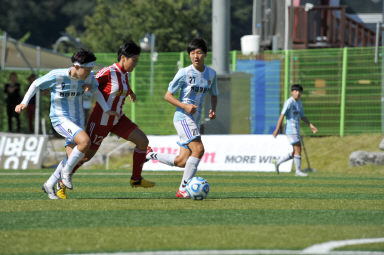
<point>198,152</point>
<point>84,144</point>
<point>143,143</point>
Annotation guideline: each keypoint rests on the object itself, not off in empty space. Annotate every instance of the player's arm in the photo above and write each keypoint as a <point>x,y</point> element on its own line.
<point>131,94</point>
<point>212,111</point>
<point>27,97</point>
<point>170,98</point>
<point>306,121</point>
<point>278,125</point>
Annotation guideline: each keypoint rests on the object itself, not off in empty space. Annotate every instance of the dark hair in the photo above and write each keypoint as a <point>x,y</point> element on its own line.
<point>297,87</point>
<point>128,49</point>
<point>197,43</point>
<point>83,56</point>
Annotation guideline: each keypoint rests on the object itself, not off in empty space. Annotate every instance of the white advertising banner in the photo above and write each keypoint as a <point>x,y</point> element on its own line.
<point>19,151</point>
<point>228,152</point>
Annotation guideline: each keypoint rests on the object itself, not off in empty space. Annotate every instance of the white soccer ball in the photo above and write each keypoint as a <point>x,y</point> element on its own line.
<point>198,188</point>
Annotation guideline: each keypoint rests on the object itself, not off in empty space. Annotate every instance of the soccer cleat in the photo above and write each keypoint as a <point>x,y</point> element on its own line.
<point>66,179</point>
<point>149,155</point>
<point>182,194</point>
<point>61,190</point>
<point>276,166</point>
<point>300,173</point>
<point>50,191</point>
<point>142,183</point>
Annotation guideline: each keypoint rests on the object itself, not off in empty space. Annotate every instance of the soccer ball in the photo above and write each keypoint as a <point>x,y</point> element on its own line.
<point>198,188</point>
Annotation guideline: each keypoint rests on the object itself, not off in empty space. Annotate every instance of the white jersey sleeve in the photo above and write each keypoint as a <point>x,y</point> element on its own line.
<point>44,82</point>
<point>177,82</point>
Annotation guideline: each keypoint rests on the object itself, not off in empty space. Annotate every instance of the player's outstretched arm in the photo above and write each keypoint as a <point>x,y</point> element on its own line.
<point>27,97</point>
<point>20,107</point>
<point>278,125</point>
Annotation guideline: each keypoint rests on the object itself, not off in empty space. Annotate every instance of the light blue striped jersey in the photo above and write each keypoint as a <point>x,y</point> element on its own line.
<point>194,86</point>
<point>66,95</point>
<point>293,111</point>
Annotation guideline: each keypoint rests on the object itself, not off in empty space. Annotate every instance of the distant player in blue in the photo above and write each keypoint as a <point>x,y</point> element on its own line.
<point>293,110</point>
<point>66,112</point>
<point>194,83</point>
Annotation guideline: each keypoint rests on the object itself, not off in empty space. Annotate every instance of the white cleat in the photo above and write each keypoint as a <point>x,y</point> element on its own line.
<point>66,179</point>
<point>300,173</point>
<point>50,191</point>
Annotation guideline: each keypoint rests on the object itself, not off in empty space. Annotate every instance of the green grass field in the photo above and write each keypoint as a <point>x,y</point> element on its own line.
<point>244,211</point>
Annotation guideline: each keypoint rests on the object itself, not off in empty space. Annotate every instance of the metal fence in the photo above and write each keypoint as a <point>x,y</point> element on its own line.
<point>342,90</point>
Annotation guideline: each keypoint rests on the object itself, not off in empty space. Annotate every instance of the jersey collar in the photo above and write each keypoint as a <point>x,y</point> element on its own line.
<point>119,67</point>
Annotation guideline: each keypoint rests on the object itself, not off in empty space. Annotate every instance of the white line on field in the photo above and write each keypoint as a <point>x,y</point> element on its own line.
<point>324,248</point>
<point>235,252</point>
<point>201,252</point>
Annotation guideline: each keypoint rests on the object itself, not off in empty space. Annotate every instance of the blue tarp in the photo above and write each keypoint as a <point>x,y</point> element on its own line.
<point>265,93</point>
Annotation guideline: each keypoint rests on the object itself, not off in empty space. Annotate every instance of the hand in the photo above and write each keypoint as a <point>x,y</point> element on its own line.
<point>132,97</point>
<point>275,133</point>
<point>314,129</point>
<point>212,114</point>
<point>20,107</point>
<point>112,113</point>
<point>87,87</point>
<point>190,108</point>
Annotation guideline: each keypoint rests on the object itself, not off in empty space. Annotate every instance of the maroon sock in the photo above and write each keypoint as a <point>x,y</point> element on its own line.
<point>138,161</point>
<point>76,167</point>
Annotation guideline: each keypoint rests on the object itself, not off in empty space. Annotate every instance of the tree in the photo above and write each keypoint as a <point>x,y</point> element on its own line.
<point>174,22</point>
<point>44,20</point>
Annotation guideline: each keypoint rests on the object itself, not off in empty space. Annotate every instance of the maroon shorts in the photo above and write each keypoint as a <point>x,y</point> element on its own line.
<point>123,128</point>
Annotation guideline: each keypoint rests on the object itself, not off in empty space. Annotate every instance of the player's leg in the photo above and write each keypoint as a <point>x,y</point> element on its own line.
<point>73,134</point>
<point>197,151</point>
<point>185,137</point>
<point>60,187</point>
<point>68,130</point>
<point>189,136</point>
<point>128,130</point>
<point>297,159</point>
<point>292,139</point>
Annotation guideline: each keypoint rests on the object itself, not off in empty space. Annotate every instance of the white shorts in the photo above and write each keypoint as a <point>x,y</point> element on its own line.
<point>68,130</point>
<point>293,139</point>
<point>187,131</point>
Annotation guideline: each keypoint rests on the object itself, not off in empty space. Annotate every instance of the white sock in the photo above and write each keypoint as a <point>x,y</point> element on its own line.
<point>285,158</point>
<point>72,161</point>
<point>55,177</point>
<point>189,171</point>
<point>168,159</point>
<point>297,160</point>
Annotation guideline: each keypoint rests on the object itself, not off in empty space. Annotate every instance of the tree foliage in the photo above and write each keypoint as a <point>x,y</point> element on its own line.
<point>103,25</point>
<point>174,23</point>
<point>44,20</point>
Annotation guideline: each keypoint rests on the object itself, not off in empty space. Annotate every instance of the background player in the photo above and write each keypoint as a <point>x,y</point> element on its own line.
<point>66,111</point>
<point>194,83</point>
<point>115,88</point>
<point>293,110</point>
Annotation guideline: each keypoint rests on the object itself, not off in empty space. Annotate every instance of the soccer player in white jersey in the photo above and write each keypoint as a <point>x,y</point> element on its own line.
<point>194,83</point>
<point>114,86</point>
<point>66,112</point>
<point>293,110</point>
